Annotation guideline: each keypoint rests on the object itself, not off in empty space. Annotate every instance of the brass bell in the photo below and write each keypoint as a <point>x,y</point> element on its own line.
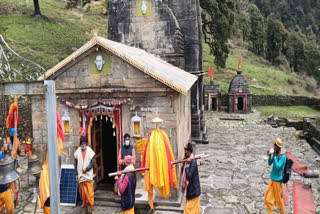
<point>34,167</point>
<point>8,172</point>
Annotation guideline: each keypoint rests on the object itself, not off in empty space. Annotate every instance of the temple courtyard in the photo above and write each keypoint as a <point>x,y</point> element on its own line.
<point>235,176</point>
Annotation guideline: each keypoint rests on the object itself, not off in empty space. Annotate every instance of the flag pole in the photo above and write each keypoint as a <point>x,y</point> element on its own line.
<point>15,127</point>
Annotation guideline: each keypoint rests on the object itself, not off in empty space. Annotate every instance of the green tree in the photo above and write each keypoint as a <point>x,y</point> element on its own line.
<point>257,35</point>
<point>243,25</point>
<point>295,52</point>
<point>274,39</point>
<point>218,18</point>
<point>311,64</point>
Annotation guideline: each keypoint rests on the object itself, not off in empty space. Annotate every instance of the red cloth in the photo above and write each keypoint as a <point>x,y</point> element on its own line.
<point>297,167</point>
<point>84,153</point>
<point>123,185</point>
<point>286,194</point>
<point>27,148</point>
<point>302,199</point>
<point>59,127</point>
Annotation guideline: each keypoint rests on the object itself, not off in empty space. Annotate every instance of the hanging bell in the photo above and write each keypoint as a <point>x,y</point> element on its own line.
<point>34,167</point>
<point>8,172</point>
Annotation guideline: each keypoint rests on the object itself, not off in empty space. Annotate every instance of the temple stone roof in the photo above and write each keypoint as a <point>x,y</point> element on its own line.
<point>239,84</point>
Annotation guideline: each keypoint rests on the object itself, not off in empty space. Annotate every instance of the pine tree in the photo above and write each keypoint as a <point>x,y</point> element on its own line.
<point>218,18</point>
<point>257,34</point>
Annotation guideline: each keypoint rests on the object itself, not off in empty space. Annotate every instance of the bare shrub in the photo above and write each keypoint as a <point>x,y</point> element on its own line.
<point>312,84</point>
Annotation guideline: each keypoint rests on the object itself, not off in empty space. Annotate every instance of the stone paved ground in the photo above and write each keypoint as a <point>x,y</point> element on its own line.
<point>235,177</point>
<point>237,174</point>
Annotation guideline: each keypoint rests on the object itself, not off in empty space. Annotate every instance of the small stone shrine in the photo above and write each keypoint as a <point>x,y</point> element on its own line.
<point>239,96</point>
<point>212,96</point>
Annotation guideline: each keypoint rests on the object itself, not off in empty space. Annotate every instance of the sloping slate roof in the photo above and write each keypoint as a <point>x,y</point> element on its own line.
<point>239,82</point>
<point>160,70</point>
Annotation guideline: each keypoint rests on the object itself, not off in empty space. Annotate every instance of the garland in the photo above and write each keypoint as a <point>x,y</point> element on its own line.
<point>99,102</point>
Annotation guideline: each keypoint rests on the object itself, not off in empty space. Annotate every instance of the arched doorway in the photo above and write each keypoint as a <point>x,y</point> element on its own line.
<point>104,144</point>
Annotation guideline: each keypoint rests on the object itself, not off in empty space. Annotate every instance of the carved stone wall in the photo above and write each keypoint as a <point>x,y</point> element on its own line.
<point>170,29</point>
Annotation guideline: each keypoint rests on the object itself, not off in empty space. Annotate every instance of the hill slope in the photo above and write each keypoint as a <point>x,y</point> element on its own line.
<point>47,42</point>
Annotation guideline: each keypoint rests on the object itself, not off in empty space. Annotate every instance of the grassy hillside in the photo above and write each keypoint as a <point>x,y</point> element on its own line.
<point>262,77</point>
<point>49,41</point>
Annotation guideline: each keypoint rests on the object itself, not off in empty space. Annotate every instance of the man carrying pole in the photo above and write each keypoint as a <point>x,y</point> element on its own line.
<point>191,182</point>
<point>127,187</point>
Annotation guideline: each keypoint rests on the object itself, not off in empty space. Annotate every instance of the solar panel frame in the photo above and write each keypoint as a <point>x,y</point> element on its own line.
<point>68,185</point>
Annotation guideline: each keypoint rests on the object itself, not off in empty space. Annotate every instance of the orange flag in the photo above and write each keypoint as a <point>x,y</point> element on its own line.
<point>239,64</point>
<point>210,72</point>
<point>10,118</point>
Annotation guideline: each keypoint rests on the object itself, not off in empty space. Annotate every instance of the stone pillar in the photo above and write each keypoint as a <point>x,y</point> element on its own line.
<point>189,17</point>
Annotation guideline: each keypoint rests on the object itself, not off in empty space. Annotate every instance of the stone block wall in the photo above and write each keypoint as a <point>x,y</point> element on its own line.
<point>277,100</point>
<point>158,32</point>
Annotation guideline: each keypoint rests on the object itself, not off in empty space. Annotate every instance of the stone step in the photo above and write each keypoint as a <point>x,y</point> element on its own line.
<point>106,203</point>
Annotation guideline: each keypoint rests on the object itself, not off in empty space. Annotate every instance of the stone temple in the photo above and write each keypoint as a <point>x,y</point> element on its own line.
<point>239,96</point>
<point>169,29</point>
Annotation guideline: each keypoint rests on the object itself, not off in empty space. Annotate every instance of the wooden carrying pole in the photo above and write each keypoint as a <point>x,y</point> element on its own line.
<point>129,171</point>
<point>143,169</point>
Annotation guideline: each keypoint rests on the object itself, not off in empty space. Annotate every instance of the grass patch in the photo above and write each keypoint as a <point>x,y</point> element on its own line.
<point>47,42</point>
<point>289,112</point>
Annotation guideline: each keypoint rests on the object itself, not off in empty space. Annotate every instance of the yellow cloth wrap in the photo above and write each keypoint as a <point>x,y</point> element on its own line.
<point>46,210</point>
<point>6,199</point>
<point>131,211</point>
<point>44,185</point>
<point>87,193</point>
<point>157,160</point>
<point>272,194</point>
<point>60,146</point>
<point>192,206</point>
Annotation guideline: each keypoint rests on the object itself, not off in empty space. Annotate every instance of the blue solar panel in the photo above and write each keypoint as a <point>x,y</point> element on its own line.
<point>68,186</point>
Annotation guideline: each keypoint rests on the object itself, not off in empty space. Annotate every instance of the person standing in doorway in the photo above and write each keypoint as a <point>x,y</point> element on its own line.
<point>191,182</point>
<point>127,187</point>
<point>84,163</point>
<point>274,190</point>
<point>125,151</point>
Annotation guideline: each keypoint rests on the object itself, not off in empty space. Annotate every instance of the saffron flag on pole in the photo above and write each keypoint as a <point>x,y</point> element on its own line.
<point>239,64</point>
<point>10,118</point>
<point>210,72</point>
